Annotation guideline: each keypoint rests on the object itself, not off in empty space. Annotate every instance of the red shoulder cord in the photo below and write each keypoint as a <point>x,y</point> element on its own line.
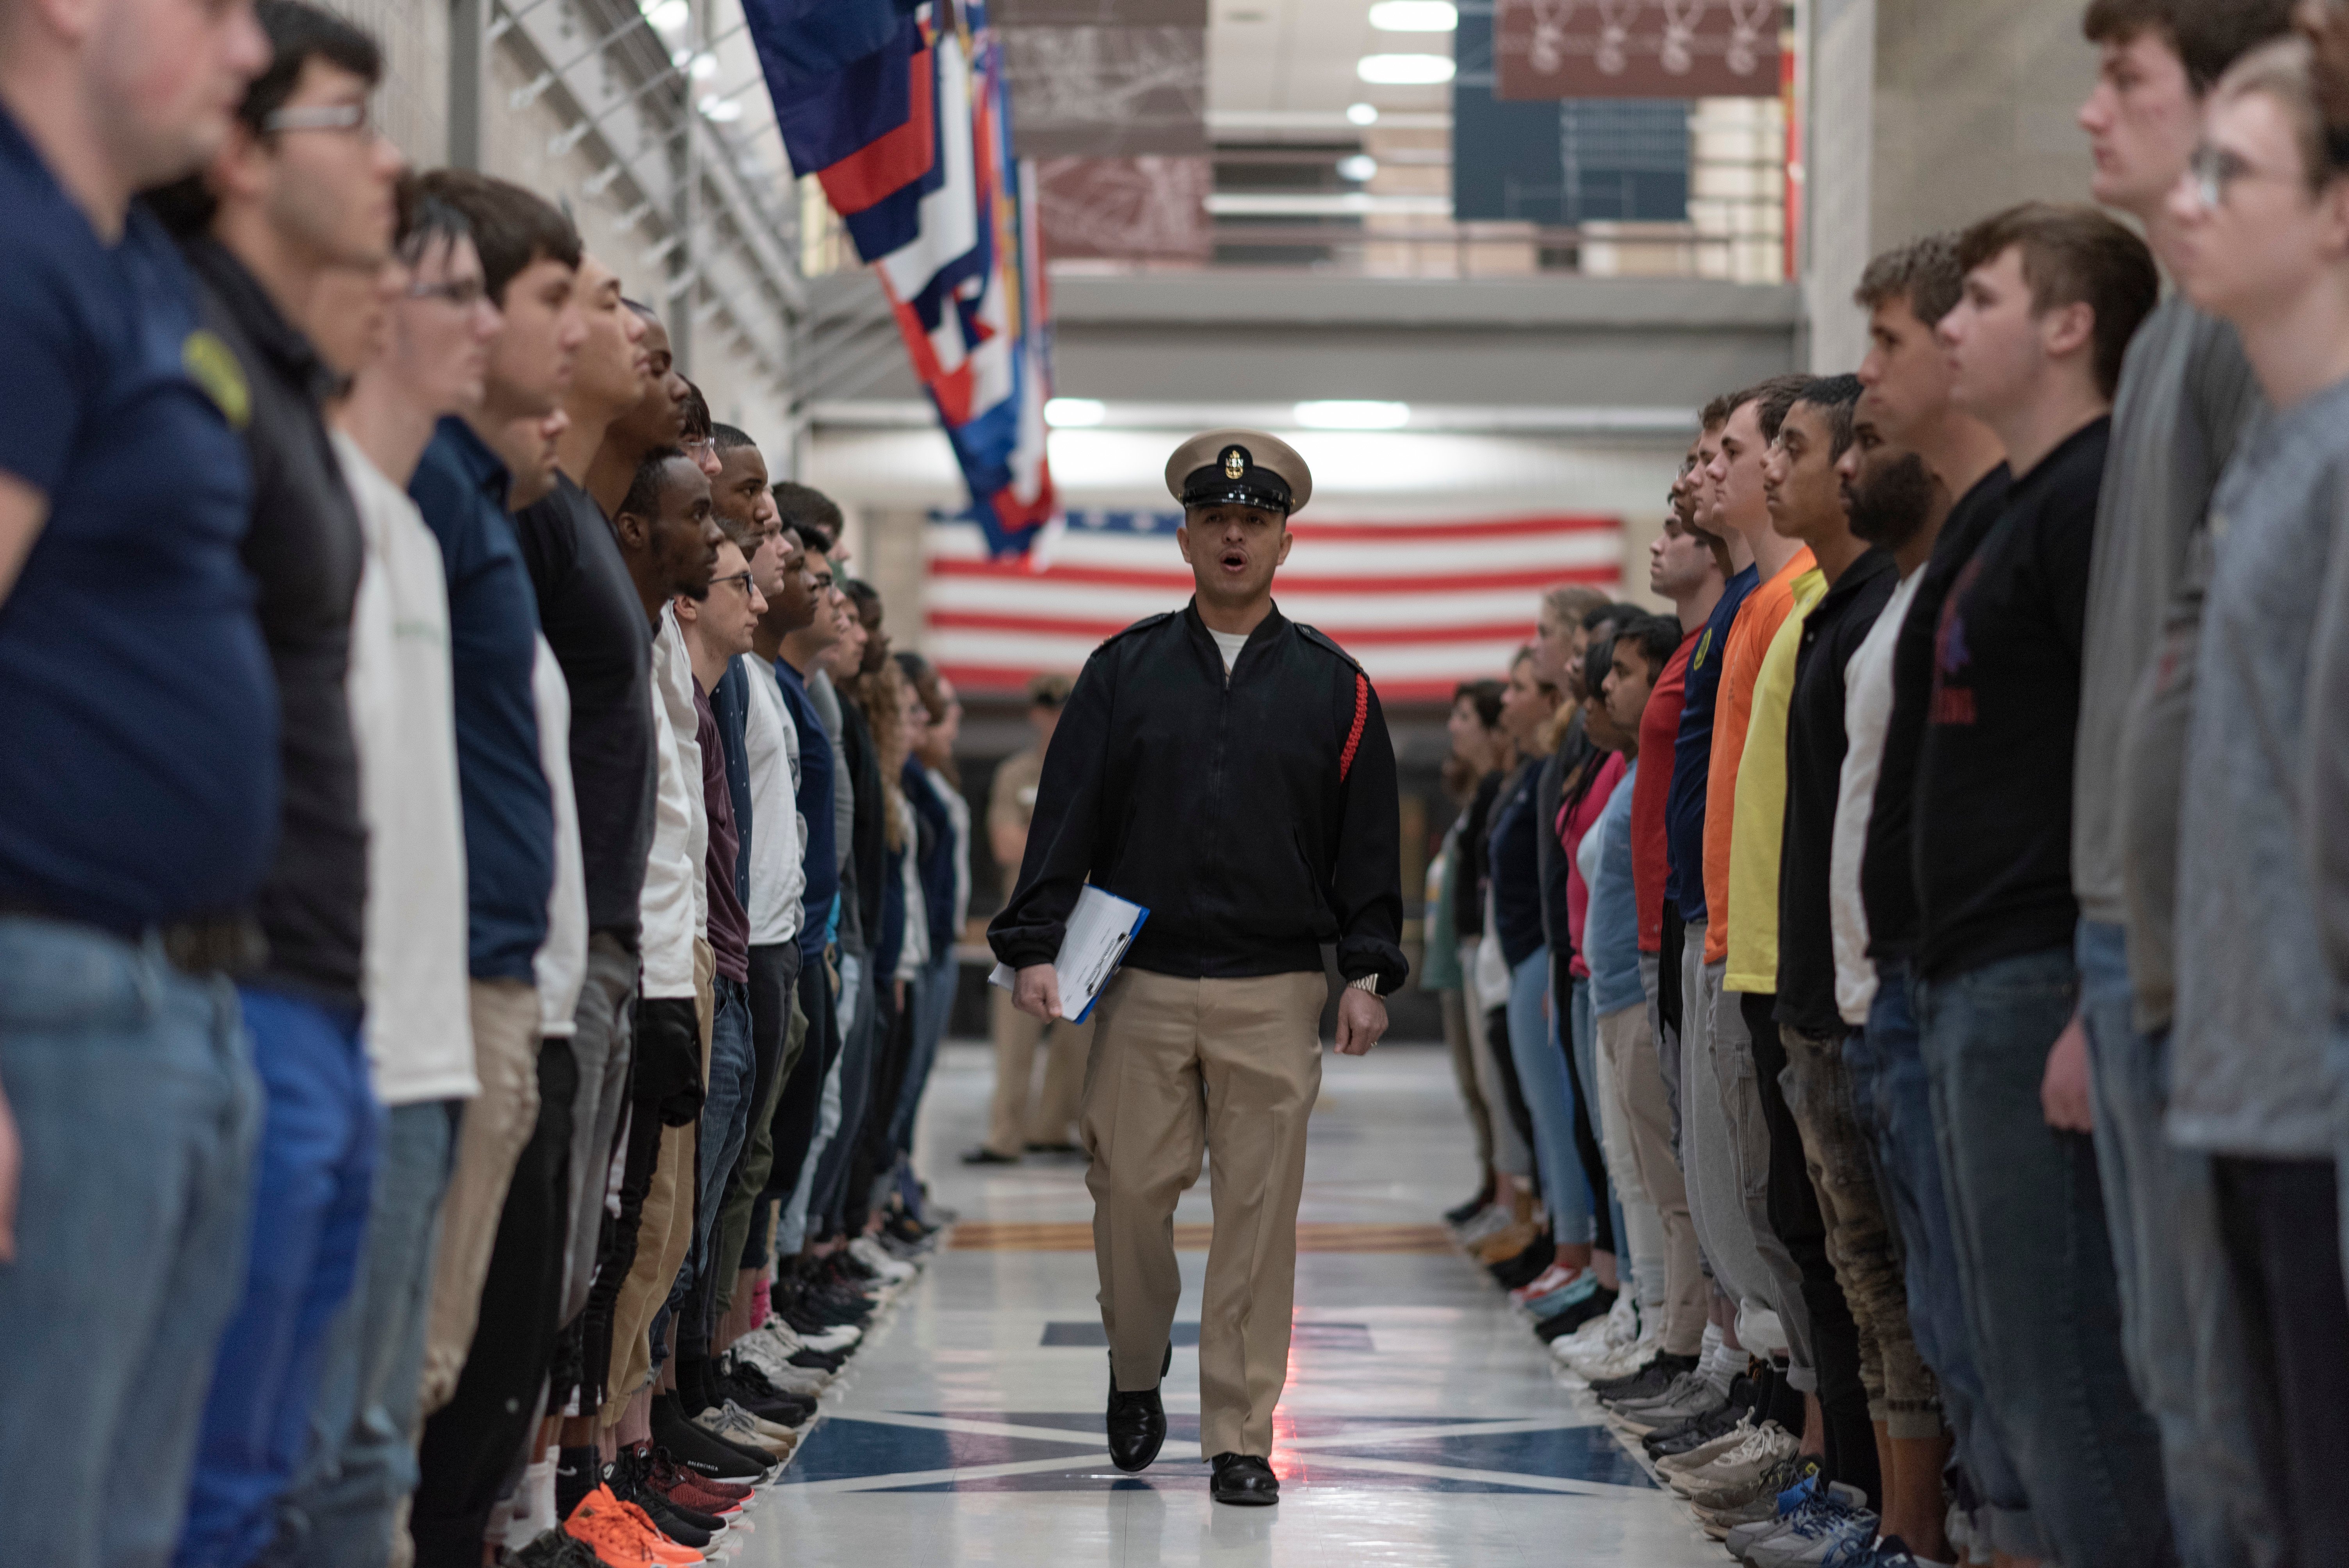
<point>1361,716</point>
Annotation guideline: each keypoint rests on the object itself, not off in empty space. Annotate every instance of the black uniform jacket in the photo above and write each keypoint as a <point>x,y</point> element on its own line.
<point>1256,819</point>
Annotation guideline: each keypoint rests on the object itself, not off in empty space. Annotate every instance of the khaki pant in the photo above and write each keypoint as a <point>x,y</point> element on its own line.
<point>1010,1126</point>
<point>665,1232</point>
<point>1638,1085</point>
<point>496,1124</point>
<point>1179,1067</point>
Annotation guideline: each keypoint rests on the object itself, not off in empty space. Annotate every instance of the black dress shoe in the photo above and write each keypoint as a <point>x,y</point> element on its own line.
<point>1243,1479</point>
<point>1137,1421</point>
<point>983,1155</point>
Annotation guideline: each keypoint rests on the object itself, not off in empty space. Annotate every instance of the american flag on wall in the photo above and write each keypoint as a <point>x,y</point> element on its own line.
<point>1423,605</point>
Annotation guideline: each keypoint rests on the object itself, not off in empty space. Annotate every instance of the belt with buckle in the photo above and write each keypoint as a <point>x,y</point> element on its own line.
<point>230,945</point>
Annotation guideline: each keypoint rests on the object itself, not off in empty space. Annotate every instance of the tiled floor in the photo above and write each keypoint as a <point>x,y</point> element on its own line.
<point>1422,1424</point>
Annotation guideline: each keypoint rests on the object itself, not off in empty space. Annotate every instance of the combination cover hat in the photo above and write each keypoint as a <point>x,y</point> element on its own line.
<point>1239,467</point>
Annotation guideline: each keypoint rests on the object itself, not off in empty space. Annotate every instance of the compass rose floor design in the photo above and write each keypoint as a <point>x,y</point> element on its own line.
<point>1422,1424</point>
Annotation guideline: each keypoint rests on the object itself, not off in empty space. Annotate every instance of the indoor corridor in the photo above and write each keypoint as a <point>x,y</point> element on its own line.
<point>1423,1424</point>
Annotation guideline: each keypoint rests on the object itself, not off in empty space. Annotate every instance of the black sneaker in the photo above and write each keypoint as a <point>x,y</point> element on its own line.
<point>1527,1265</point>
<point>1646,1383</point>
<point>1243,1479</point>
<point>685,1526</point>
<point>555,1550</point>
<point>1598,1304</point>
<point>748,1388</point>
<point>1692,1433</point>
<point>702,1452</point>
<point>1461,1214</point>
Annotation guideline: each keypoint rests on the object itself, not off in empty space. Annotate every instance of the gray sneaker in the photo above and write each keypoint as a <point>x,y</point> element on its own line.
<point>1701,1398</point>
<point>1816,1530</point>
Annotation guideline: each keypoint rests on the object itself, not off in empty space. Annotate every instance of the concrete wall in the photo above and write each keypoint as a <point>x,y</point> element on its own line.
<point>1975,107</point>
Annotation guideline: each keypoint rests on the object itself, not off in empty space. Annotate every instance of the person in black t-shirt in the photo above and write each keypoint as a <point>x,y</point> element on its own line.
<point>2052,297</point>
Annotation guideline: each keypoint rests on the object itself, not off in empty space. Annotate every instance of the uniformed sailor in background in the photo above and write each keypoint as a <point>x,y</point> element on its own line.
<point>1228,769</point>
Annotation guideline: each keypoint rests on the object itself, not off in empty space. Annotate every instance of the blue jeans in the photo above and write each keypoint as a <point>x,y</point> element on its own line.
<point>2179,1309</point>
<point>2035,1261</point>
<point>132,1088</point>
<point>1549,1097</point>
<point>1894,1100</point>
<point>313,1183</point>
<point>1584,1024</point>
<point>725,1127</point>
<point>933,1001</point>
<point>362,1457</point>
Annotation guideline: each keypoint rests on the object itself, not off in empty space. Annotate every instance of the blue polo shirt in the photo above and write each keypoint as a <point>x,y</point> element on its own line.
<point>815,805</point>
<point>1692,754</point>
<point>138,768</point>
<point>461,488</point>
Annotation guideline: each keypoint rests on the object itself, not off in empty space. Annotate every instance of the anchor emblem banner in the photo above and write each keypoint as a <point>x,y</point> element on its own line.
<point>1636,49</point>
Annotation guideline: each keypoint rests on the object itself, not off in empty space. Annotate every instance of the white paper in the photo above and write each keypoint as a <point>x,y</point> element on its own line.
<point>1101,928</point>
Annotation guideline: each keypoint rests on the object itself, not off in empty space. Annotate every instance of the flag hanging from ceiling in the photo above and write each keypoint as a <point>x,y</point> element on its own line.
<point>912,144</point>
<point>1422,606</point>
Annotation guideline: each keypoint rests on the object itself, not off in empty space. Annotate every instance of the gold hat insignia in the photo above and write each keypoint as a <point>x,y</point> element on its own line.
<point>1235,463</point>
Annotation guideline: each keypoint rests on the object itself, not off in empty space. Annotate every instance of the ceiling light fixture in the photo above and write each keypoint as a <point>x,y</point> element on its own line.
<point>1362,114</point>
<point>1074,413</point>
<point>1352,414</point>
<point>1357,166</point>
<point>668,15</point>
<point>720,110</point>
<point>1415,16</point>
<point>1404,70</point>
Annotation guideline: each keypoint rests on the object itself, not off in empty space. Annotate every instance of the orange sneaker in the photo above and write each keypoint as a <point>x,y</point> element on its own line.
<point>622,1535</point>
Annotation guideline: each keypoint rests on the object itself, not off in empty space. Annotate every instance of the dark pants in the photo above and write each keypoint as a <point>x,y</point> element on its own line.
<point>2047,1336</point>
<point>1512,1093</point>
<point>1796,1220</point>
<point>876,1152</point>
<point>2279,1222</point>
<point>796,1113</point>
<point>828,1204</point>
<point>473,1442</point>
<point>617,1254</point>
<point>1669,1014</point>
<point>1586,1136</point>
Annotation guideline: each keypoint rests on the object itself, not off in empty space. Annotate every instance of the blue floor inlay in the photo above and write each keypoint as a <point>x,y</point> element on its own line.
<point>844,1448</point>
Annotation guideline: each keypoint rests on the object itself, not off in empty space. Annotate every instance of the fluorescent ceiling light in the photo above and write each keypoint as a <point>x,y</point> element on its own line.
<point>1404,70</point>
<point>668,15</point>
<point>1362,114</point>
<point>1352,414</point>
<point>723,110</point>
<point>703,65</point>
<point>1358,166</point>
<point>1071,413</point>
<point>1415,16</point>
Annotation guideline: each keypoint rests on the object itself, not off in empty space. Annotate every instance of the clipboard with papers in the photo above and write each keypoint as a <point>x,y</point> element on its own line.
<point>1101,928</point>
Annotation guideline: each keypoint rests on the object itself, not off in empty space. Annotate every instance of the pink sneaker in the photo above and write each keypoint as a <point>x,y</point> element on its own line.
<point>1557,1277</point>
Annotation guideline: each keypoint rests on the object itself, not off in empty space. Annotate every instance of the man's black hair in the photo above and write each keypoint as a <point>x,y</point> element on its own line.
<point>1657,637</point>
<point>813,514</point>
<point>697,425</point>
<point>1834,397</point>
<point>511,227</point>
<point>643,498</point>
<point>1620,612</point>
<point>730,438</point>
<point>866,595</point>
<point>298,33</point>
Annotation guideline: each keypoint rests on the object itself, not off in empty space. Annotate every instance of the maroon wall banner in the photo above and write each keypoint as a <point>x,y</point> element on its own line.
<point>1636,49</point>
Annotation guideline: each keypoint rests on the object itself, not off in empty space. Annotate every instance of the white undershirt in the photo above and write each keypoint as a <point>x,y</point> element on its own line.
<point>1231,643</point>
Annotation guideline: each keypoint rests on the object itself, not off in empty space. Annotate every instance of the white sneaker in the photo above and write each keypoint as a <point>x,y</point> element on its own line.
<point>1494,1218</point>
<point>1604,1336</point>
<point>777,1369</point>
<point>867,1251</point>
<point>1595,1364</point>
<point>1763,1447</point>
<point>1704,1454</point>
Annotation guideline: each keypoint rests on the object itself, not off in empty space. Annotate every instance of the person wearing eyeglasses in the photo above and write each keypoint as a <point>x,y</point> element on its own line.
<point>2262,240</point>
<point>717,627</point>
<point>303,186</point>
<point>416,335</point>
<point>2185,398</point>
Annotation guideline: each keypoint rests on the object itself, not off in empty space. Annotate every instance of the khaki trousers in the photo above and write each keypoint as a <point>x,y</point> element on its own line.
<point>1638,1084</point>
<point>1181,1068</point>
<point>1010,1126</point>
<point>665,1232</point>
<point>489,1138</point>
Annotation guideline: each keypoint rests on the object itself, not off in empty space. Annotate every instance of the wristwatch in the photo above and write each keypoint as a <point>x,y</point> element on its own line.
<point>1368,984</point>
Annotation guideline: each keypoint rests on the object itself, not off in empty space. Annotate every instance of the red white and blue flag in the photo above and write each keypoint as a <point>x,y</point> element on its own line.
<point>912,144</point>
<point>1423,605</point>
